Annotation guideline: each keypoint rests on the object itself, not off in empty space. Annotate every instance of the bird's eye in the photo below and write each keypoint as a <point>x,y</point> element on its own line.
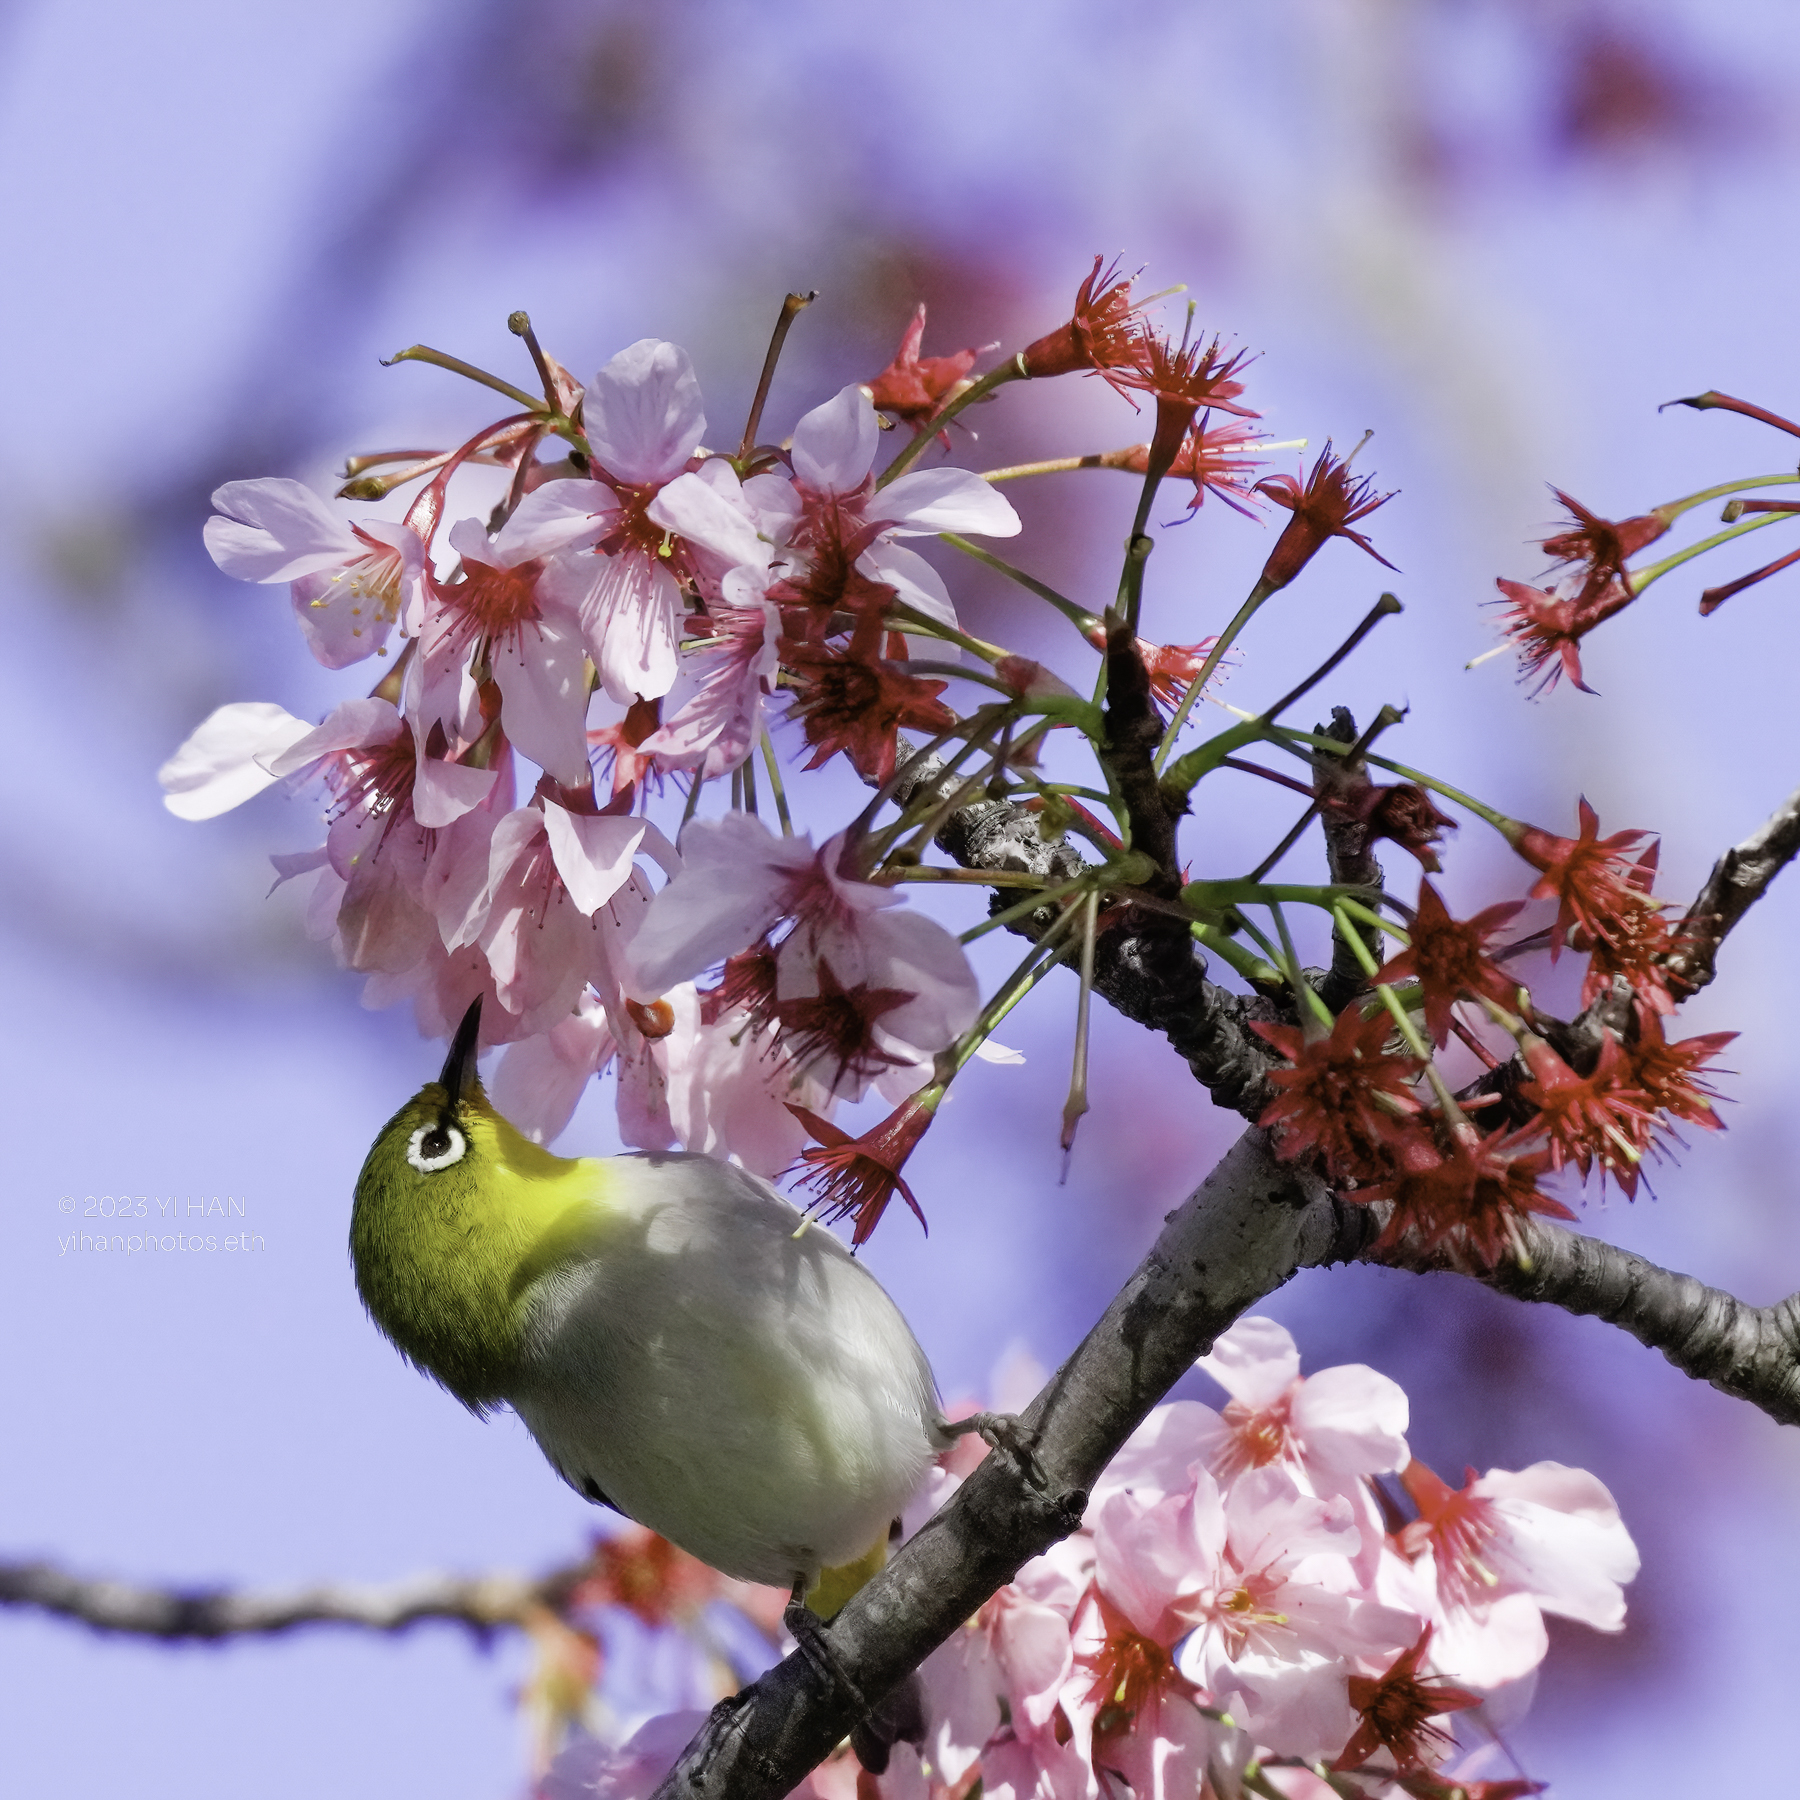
<point>434,1147</point>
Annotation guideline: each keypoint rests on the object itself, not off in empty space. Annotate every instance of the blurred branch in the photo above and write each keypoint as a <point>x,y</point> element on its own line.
<point>482,1603</point>
<point>1739,879</point>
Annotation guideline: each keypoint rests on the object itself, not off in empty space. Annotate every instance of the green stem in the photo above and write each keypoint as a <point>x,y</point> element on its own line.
<point>1039,960</point>
<point>439,359</point>
<point>1015,878</point>
<point>775,783</point>
<point>1078,616</point>
<point>1077,1102</point>
<point>920,625</point>
<point>1011,370</point>
<point>1642,578</point>
<point>1228,637</point>
<point>1219,944</point>
<point>1030,904</point>
<point>1303,989</point>
<point>1675,508</point>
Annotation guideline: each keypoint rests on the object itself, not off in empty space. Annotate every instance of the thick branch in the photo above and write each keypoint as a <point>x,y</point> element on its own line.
<point>1151,974</point>
<point>1739,879</point>
<point>481,1603</point>
<point>1749,1352</point>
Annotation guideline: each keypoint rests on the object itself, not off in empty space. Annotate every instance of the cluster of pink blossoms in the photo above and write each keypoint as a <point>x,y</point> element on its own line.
<point>1240,1606</point>
<point>637,608</point>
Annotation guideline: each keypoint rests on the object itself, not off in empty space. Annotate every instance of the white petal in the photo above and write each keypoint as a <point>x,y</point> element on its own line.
<point>695,509</point>
<point>543,688</point>
<point>834,445</point>
<point>217,768</point>
<point>926,500</point>
<point>275,530</point>
<point>593,855</point>
<point>630,616</point>
<point>643,416</point>
<point>914,581</point>
<point>348,726</point>
<point>560,515</point>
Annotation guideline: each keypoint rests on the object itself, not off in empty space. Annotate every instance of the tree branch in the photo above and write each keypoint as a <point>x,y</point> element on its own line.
<point>1749,1352</point>
<point>1348,858</point>
<point>482,1603</point>
<point>1151,974</point>
<point>1739,879</point>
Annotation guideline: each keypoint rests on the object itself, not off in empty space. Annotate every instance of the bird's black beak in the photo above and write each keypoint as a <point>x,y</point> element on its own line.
<point>459,1065</point>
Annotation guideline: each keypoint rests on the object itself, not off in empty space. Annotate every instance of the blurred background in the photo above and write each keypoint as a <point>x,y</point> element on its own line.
<point>1498,232</point>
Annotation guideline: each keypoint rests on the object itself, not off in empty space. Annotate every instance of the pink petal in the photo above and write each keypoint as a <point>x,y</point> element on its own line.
<point>593,855</point>
<point>349,726</point>
<point>560,515</point>
<point>444,791</point>
<point>834,444</point>
<point>1255,1362</point>
<point>643,416</point>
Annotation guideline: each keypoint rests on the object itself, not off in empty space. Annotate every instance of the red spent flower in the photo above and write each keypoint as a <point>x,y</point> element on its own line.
<point>913,387</point>
<point>1475,1197</point>
<point>1171,667</point>
<point>1213,460</point>
<point>1326,507</point>
<point>1345,1098</point>
<point>1597,885</point>
<point>1635,945</point>
<point>1404,814</point>
<point>856,1177</point>
<point>1546,627</point>
<point>1396,1710</point>
<point>1599,1119</point>
<point>1602,544</point>
<point>1448,959</point>
<point>1670,1075</point>
<point>1104,334</point>
<point>1182,378</point>
<point>748,985</point>
<point>855,701</point>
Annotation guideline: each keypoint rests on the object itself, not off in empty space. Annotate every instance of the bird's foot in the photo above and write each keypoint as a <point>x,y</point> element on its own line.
<point>898,1718</point>
<point>808,1632</point>
<point>1006,1433</point>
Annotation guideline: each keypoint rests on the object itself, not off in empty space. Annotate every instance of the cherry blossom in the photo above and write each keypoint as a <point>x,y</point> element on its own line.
<point>1506,1548</point>
<point>739,881</point>
<point>350,584</point>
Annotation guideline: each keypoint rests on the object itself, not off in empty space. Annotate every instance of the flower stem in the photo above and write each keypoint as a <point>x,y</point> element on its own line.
<point>1642,578</point>
<point>791,308</point>
<point>1013,369</point>
<point>1673,509</point>
<point>1078,616</point>
<point>439,359</point>
<point>1077,1102</point>
<point>775,783</point>
<point>1227,638</point>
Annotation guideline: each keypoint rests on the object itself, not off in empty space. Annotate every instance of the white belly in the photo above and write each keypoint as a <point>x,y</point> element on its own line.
<point>752,1395</point>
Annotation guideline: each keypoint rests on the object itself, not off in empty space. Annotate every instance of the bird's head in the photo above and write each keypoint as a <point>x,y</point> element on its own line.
<point>456,1211</point>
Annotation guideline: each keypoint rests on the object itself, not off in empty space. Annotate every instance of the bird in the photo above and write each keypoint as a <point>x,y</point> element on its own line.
<point>685,1345</point>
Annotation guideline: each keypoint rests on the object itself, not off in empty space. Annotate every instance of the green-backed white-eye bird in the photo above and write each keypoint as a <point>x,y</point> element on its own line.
<point>679,1344</point>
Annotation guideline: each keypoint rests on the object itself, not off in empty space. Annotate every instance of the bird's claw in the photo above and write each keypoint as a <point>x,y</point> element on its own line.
<point>1006,1433</point>
<point>808,1632</point>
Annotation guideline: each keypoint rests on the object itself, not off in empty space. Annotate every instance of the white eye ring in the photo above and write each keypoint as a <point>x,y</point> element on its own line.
<point>456,1145</point>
